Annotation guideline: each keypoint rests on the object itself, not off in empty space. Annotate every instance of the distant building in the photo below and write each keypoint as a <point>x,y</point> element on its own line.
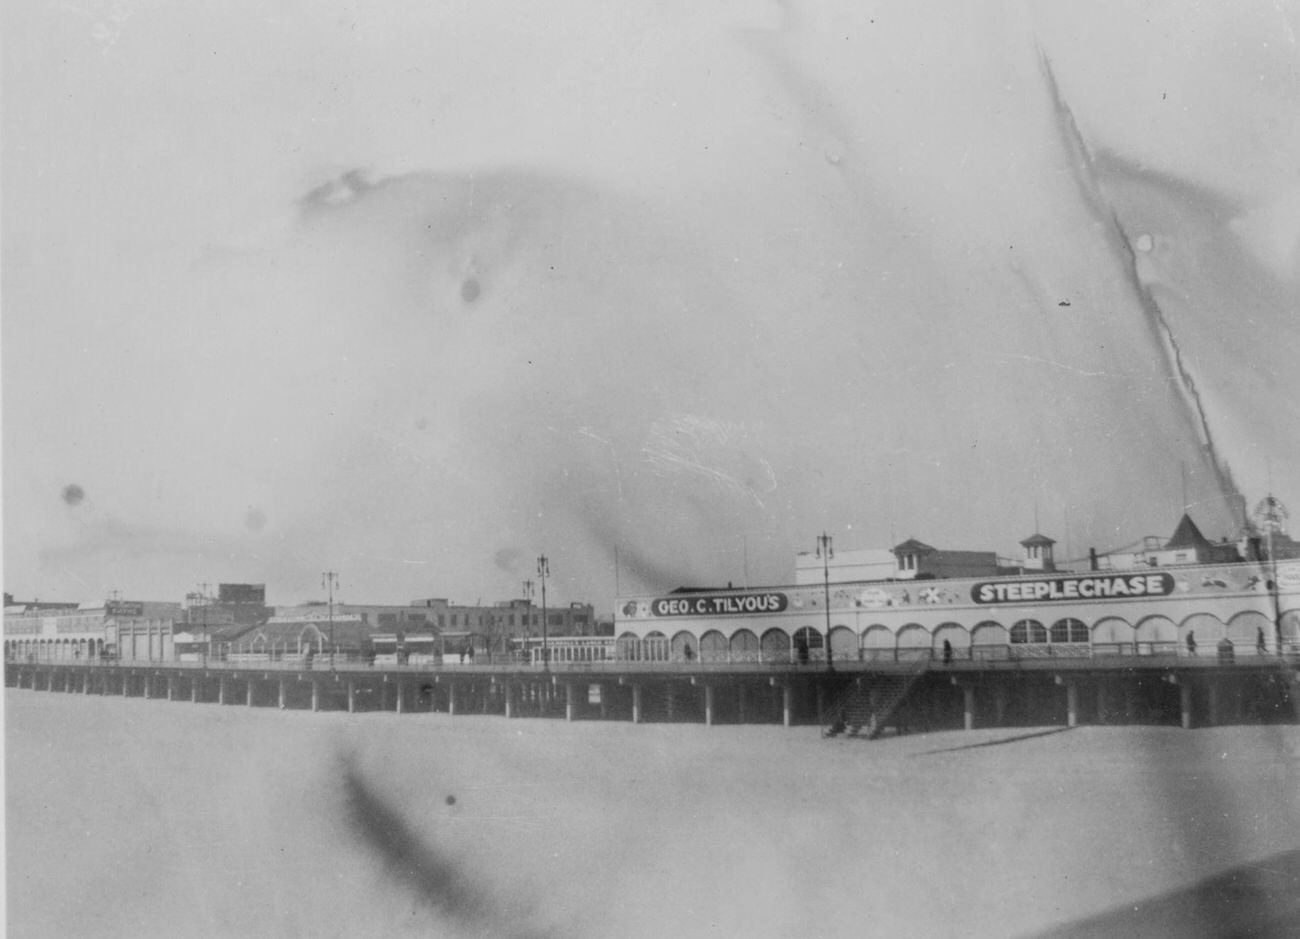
<point>1187,545</point>
<point>127,630</point>
<point>845,566</point>
<point>919,561</point>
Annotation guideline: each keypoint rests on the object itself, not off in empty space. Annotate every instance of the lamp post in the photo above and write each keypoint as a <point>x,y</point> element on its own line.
<point>330,580</point>
<point>1271,515</point>
<point>826,551</point>
<point>543,571</point>
<point>528,616</point>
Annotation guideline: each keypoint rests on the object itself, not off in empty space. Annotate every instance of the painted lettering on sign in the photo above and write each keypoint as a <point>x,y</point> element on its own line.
<point>123,608</point>
<point>1094,587</point>
<point>720,604</point>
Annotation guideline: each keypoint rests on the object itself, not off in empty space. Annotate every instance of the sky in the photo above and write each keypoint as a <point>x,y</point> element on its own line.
<point>419,292</point>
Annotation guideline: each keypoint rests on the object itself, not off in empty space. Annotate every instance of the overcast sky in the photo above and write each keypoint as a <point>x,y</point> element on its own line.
<point>417,292</point>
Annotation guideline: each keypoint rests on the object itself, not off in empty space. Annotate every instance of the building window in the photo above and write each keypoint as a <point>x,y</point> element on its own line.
<point>1069,630</point>
<point>1028,630</point>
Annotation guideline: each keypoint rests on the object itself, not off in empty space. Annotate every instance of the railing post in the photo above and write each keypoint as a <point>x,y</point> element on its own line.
<point>708,705</point>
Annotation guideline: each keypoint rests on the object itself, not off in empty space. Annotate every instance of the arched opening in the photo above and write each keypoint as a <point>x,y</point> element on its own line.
<point>745,646</point>
<point>1206,628</point>
<point>807,643</point>
<point>627,647</point>
<point>1158,635</point>
<point>914,642</point>
<point>844,644</point>
<point>1068,630</point>
<point>776,645</point>
<point>878,643</point>
<point>1113,636</point>
<point>1291,631</point>
<point>989,640</point>
<point>654,647</point>
<point>1028,632</point>
<point>713,647</point>
<point>957,638</point>
<point>684,647</point>
<point>1249,630</point>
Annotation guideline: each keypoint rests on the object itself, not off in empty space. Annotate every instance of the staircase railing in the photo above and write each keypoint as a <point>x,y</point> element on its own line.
<point>853,711</point>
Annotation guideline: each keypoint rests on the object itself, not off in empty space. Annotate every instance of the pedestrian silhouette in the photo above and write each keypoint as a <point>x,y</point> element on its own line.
<point>1260,645</point>
<point>1191,642</point>
<point>947,652</point>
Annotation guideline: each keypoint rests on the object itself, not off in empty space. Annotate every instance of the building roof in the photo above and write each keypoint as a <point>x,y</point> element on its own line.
<point>911,544</point>
<point>1037,539</point>
<point>1187,535</point>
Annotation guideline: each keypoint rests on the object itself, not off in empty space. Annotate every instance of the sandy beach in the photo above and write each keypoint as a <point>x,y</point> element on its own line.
<point>128,817</point>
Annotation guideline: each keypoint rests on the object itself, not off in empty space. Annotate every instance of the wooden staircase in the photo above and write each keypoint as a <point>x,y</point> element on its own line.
<point>867,704</point>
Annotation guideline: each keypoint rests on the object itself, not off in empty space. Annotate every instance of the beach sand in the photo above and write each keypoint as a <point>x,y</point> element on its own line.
<point>131,817</point>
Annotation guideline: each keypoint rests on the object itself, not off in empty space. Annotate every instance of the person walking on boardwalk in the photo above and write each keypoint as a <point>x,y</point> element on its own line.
<point>1261,646</point>
<point>1191,642</point>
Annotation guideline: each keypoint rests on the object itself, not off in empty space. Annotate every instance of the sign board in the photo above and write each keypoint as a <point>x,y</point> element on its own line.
<point>241,593</point>
<point>720,604</point>
<point>1084,587</point>
<point>124,608</point>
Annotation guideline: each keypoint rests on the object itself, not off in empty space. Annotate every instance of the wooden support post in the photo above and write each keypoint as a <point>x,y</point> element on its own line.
<point>604,701</point>
<point>1103,701</point>
<point>221,689</point>
<point>248,691</point>
<point>1130,701</point>
<point>740,701</point>
<point>1072,704</point>
<point>708,705</point>
<point>383,695</point>
<point>352,696</point>
<point>670,696</point>
<point>787,704</point>
<point>1215,695</point>
<point>510,700</point>
<point>126,685</point>
<point>968,700</point>
<point>194,688</point>
<point>1185,701</point>
<point>284,694</point>
<point>636,704</point>
<point>171,687</point>
<point>145,678</point>
<point>315,694</point>
<point>1000,705</point>
<point>400,697</point>
<point>451,699</point>
<point>87,679</point>
<point>570,700</point>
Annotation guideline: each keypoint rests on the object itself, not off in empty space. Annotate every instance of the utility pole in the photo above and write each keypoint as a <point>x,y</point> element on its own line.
<point>330,580</point>
<point>826,551</point>
<point>543,571</point>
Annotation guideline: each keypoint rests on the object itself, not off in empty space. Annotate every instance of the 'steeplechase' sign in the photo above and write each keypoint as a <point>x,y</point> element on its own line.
<point>1084,587</point>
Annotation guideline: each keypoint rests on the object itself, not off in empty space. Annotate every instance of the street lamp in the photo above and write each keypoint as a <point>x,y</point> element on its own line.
<point>528,616</point>
<point>330,580</point>
<point>826,551</point>
<point>543,571</point>
<point>1271,515</point>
